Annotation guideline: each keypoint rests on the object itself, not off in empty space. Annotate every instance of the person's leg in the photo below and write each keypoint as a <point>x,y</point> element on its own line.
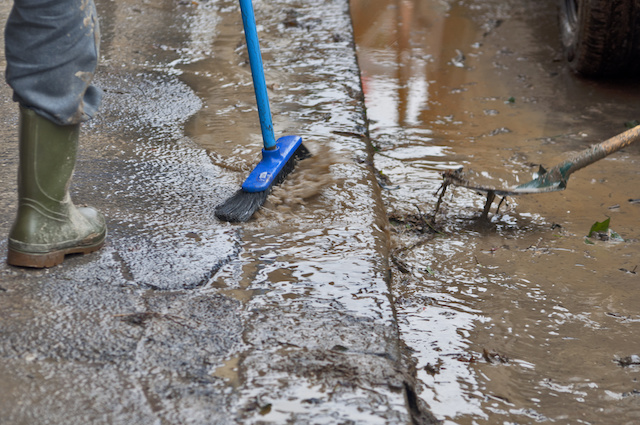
<point>51,49</point>
<point>52,54</point>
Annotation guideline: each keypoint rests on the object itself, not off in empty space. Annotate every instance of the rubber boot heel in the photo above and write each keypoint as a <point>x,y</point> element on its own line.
<point>50,259</point>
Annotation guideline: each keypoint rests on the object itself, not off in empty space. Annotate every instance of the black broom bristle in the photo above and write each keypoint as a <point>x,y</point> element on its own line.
<point>242,205</point>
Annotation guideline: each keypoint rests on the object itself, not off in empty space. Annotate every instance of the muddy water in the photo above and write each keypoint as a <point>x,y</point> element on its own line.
<point>522,319</point>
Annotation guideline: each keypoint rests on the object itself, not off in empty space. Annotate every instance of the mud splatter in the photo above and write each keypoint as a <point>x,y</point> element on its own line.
<point>308,181</point>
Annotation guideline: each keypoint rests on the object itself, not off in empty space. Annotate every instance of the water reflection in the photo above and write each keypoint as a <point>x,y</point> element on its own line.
<point>519,321</point>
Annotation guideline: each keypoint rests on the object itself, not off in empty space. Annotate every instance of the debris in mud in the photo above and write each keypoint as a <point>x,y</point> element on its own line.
<point>189,3</point>
<point>414,300</point>
<point>412,222</point>
<point>458,61</point>
<point>634,201</point>
<point>601,231</point>
<point>501,130</point>
<point>385,182</point>
<point>194,236</point>
<point>291,19</point>
<point>405,268</point>
<point>464,358</point>
<point>494,357</point>
<point>623,318</point>
<point>616,315</point>
<point>142,318</point>
<point>491,25</point>
<point>401,265</point>
<point>633,271</point>
<point>632,360</point>
<point>339,38</point>
<point>257,405</point>
<point>457,177</point>
<point>433,369</point>
<point>265,410</point>
<point>499,397</point>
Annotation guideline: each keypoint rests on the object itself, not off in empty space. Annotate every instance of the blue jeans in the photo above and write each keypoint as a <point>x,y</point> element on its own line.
<point>52,49</point>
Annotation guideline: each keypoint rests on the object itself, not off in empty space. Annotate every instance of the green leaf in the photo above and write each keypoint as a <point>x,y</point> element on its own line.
<point>428,269</point>
<point>588,241</point>
<point>599,227</point>
<point>511,100</point>
<point>632,123</point>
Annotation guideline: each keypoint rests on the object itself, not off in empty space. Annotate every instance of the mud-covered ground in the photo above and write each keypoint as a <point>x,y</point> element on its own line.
<point>524,319</point>
<point>294,317</point>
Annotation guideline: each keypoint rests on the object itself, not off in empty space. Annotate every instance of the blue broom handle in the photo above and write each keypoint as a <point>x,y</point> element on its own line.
<point>257,72</point>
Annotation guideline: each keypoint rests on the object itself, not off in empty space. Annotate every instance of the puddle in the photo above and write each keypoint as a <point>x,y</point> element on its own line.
<point>523,319</point>
<point>228,371</point>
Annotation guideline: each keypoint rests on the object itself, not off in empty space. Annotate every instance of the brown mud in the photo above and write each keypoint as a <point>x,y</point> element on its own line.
<point>524,318</point>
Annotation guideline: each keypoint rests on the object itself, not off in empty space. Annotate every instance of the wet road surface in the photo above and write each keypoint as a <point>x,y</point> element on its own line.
<point>182,319</point>
<point>524,319</point>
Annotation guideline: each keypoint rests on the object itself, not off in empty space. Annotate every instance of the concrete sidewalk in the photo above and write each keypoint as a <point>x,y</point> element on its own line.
<point>182,319</point>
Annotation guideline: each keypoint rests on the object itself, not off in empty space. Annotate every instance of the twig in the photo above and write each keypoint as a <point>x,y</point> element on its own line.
<point>425,222</point>
<point>442,190</point>
<point>491,195</point>
<point>500,203</point>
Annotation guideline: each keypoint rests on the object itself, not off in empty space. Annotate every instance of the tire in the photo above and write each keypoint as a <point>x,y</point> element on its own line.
<point>601,37</point>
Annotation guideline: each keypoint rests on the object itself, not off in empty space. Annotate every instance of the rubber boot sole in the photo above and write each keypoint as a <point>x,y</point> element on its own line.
<point>50,259</point>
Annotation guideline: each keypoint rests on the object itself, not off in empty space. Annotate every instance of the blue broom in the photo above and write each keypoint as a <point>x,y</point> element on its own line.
<point>278,157</point>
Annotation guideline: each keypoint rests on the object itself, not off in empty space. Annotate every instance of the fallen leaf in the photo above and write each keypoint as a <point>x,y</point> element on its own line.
<point>600,227</point>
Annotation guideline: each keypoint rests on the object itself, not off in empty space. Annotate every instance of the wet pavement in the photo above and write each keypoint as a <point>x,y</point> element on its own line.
<point>524,319</point>
<point>342,301</point>
<point>182,319</point>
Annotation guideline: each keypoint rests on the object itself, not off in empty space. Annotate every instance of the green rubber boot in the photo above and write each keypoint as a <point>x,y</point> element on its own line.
<point>48,226</point>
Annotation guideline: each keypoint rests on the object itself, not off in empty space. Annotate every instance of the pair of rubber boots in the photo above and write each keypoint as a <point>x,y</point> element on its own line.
<point>48,225</point>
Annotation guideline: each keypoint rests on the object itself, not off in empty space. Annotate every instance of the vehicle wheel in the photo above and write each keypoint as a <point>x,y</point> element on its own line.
<point>601,37</point>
